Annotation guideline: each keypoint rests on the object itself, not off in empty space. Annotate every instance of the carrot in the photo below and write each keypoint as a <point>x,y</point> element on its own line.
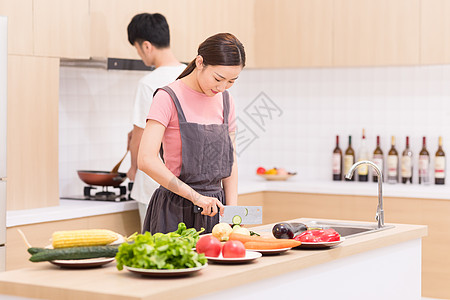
<point>267,245</point>
<point>261,243</point>
<point>247,238</point>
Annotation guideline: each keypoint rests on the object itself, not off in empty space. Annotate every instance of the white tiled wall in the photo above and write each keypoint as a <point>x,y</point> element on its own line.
<point>95,109</point>
<point>307,108</point>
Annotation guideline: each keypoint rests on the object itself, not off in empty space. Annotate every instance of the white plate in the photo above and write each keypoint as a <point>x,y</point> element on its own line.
<point>82,263</point>
<point>271,251</point>
<point>320,244</point>
<point>249,256</point>
<point>164,272</point>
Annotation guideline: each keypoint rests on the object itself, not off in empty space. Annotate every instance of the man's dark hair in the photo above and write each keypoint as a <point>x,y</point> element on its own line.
<point>149,27</point>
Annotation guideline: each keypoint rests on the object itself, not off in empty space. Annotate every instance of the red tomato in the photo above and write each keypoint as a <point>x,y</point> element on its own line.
<point>209,245</point>
<point>233,249</point>
<point>260,170</point>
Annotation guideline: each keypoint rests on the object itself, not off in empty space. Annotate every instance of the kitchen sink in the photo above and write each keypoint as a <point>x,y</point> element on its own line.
<point>348,230</point>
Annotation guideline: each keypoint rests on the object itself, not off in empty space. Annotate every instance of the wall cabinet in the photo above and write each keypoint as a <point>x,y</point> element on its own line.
<point>61,28</point>
<point>276,34</point>
<point>20,25</point>
<point>376,32</point>
<point>32,164</point>
<point>108,28</point>
<point>435,32</point>
<point>190,23</point>
<point>291,33</point>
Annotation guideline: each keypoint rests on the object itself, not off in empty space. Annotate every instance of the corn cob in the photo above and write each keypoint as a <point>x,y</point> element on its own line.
<point>86,237</point>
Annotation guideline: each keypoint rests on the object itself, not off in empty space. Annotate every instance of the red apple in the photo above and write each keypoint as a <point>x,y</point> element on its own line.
<point>209,245</point>
<point>233,249</point>
<point>260,170</point>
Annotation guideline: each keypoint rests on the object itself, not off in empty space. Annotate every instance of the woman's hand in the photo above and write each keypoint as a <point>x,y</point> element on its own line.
<point>209,205</point>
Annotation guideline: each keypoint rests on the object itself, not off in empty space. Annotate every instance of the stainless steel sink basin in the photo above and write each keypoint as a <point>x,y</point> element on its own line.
<point>348,230</point>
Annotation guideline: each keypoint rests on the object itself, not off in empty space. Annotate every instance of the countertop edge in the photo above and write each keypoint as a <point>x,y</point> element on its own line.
<point>68,209</point>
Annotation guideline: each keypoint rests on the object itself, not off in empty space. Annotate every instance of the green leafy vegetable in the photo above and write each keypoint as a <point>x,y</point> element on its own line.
<point>162,251</point>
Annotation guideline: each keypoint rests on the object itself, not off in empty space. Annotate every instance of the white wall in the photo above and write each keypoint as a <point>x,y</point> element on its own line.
<point>307,108</point>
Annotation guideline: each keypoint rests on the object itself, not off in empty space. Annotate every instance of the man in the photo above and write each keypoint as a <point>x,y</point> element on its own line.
<point>149,34</point>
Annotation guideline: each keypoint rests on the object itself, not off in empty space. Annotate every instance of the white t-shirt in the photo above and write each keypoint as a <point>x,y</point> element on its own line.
<point>144,186</point>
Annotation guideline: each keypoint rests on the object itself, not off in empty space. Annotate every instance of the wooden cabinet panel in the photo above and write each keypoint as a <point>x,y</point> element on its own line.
<point>32,166</point>
<point>61,28</point>
<point>192,21</point>
<point>435,32</point>
<point>20,25</point>
<point>108,28</point>
<point>292,33</point>
<point>376,32</point>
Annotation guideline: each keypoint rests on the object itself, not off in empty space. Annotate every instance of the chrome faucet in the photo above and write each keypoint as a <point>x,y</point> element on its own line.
<point>380,212</point>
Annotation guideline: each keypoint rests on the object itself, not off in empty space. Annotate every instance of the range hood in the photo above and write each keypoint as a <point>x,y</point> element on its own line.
<point>107,64</point>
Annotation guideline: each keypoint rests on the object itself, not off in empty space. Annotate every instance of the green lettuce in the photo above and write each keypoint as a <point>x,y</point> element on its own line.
<point>173,250</point>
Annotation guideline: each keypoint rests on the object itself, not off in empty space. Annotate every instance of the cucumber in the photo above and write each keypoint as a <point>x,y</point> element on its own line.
<point>74,253</point>
<point>237,220</point>
<point>34,250</point>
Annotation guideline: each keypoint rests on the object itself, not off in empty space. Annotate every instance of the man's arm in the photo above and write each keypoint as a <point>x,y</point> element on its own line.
<point>135,141</point>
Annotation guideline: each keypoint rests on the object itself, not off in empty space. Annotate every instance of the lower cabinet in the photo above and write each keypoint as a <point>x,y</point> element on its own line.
<point>278,206</point>
<point>38,235</point>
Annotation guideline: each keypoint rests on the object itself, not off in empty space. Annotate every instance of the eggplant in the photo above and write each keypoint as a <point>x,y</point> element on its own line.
<point>288,230</point>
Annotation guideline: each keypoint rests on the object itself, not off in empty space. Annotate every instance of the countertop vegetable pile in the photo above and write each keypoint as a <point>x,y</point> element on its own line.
<point>173,250</point>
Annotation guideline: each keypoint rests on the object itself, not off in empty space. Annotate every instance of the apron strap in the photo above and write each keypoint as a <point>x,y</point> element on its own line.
<point>172,95</point>
<point>226,106</point>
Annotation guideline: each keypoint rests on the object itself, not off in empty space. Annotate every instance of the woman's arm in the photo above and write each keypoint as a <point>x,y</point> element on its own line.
<point>150,163</point>
<point>230,183</point>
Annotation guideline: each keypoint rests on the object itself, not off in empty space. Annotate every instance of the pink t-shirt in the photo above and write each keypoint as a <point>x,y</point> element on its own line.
<point>197,108</point>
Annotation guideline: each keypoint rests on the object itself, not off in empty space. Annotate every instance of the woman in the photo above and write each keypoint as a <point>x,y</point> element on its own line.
<point>193,118</point>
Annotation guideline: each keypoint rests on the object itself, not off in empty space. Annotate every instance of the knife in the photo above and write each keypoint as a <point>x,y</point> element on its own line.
<point>242,215</point>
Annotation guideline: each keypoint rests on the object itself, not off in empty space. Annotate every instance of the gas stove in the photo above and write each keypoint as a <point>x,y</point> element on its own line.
<point>103,193</point>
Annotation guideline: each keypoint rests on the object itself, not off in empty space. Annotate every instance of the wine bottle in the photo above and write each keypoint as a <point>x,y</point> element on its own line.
<point>407,165</point>
<point>392,163</point>
<point>363,154</point>
<point>378,159</point>
<point>337,161</point>
<point>349,157</point>
<point>424,163</point>
<point>439,165</point>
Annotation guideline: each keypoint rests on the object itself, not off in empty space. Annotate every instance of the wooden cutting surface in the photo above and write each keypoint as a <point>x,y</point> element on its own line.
<point>47,281</point>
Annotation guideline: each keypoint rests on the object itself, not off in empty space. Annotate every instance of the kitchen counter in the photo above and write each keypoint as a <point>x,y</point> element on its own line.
<point>387,261</point>
<point>70,209</point>
<point>297,185</point>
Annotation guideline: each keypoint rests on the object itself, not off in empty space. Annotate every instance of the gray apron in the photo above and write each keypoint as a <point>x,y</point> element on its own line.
<point>206,159</point>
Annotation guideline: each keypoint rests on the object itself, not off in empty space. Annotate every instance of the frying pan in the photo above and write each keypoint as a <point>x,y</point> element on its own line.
<point>102,178</point>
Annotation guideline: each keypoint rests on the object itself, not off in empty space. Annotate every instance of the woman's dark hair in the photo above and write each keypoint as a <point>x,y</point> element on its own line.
<point>222,49</point>
<point>149,27</point>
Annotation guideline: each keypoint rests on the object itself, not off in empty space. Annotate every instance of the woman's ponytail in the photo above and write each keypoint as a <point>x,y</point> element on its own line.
<point>190,67</point>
